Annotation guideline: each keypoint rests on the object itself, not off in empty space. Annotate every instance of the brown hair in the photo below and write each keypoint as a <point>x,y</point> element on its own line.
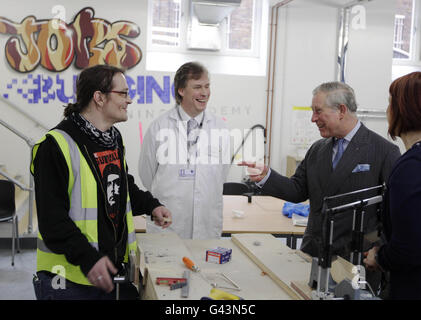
<point>96,78</point>
<point>189,70</point>
<point>405,105</point>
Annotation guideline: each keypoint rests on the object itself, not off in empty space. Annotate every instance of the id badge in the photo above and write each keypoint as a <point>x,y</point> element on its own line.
<point>187,174</point>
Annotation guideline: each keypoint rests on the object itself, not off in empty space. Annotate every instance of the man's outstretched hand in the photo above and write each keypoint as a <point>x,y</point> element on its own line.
<point>256,171</point>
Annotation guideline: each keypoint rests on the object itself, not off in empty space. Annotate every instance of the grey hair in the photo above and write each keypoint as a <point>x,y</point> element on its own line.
<point>338,93</point>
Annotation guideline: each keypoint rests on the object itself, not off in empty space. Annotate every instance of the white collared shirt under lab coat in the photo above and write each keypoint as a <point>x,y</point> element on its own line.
<point>196,204</point>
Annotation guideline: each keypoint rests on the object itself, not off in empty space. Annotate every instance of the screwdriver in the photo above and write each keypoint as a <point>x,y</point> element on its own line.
<point>190,264</point>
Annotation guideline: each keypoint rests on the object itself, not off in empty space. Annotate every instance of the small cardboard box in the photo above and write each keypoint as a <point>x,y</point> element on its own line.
<point>218,255</point>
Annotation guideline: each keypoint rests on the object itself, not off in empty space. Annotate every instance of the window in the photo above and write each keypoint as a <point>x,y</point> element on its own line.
<point>165,27</point>
<point>404,34</point>
<point>407,40</point>
<point>398,37</point>
<point>240,27</point>
<point>238,45</point>
<point>170,19</point>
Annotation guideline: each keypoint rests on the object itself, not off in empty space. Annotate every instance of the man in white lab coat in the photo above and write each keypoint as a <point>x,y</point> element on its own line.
<point>185,158</point>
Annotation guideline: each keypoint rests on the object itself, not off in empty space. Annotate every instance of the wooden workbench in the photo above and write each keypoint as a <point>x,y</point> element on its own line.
<point>161,256</point>
<point>262,215</point>
<point>261,265</point>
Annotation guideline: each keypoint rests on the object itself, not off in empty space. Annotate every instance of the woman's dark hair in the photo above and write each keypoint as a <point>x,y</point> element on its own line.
<point>405,105</point>
<point>189,70</point>
<point>96,78</point>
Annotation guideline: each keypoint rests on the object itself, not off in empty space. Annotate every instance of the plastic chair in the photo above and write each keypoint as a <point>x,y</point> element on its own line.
<point>8,212</point>
<point>235,188</point>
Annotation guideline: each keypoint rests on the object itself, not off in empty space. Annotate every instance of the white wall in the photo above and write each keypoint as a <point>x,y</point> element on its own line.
<point>307,47</point>
<point>369,67</point>
<point>307,43</point>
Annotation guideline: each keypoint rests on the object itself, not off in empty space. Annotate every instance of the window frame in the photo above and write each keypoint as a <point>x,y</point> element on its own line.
<point>256,29</point>
<point>415,46</point>
<point>161,47</point>
<point>402,19</point>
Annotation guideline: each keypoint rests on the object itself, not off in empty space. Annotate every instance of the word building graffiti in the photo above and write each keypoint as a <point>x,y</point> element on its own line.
<point>41,88</point>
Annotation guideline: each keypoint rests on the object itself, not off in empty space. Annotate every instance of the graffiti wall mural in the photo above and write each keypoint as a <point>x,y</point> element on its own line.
<point>55,44</point>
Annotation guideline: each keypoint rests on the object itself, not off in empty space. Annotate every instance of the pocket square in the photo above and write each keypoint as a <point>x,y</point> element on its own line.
<point>361,168</point>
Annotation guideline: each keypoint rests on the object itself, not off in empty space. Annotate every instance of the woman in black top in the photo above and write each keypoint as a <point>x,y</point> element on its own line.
<point>401,255</point>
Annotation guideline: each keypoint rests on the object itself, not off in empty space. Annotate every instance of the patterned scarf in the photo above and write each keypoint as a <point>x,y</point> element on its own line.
<point>107,139</point>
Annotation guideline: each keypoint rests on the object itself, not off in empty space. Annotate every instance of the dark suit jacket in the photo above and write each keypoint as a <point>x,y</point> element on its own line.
<point>315,179</point>
<point>402,253</point>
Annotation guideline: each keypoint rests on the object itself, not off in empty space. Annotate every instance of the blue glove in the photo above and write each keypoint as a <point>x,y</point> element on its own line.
<point>297,208</point>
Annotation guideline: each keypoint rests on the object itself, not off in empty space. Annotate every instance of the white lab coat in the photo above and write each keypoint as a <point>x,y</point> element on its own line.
<point>196,203</point>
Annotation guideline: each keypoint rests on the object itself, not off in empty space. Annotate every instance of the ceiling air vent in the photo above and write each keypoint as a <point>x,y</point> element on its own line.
<point>205,16</point>
<point>213,11</point>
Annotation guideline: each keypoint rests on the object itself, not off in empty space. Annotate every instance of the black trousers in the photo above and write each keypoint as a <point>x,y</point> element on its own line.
<point>46,288</point>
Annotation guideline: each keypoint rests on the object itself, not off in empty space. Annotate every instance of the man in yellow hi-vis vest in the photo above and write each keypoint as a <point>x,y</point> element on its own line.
<point>85,197</point>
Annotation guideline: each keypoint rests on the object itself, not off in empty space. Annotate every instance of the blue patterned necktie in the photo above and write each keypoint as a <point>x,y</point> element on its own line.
<point>339,153</point>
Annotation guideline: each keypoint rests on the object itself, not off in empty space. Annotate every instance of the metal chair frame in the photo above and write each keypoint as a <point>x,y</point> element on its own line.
<point>10,207</point>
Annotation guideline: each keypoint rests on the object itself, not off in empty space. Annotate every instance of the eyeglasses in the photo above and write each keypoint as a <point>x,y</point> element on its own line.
<point>124,94</point>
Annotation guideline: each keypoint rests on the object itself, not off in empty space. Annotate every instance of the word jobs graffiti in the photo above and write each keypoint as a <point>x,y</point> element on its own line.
<point>40,88</point>
<point>55,44</point>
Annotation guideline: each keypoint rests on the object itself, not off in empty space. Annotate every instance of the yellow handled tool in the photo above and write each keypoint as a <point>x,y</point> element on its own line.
<point>217,294</point>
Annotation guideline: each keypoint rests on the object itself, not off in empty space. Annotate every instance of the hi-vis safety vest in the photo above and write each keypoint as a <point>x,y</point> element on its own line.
<point>82,191</point>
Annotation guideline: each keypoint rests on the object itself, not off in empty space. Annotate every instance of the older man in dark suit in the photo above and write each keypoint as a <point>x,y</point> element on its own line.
<point>349,157</point>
